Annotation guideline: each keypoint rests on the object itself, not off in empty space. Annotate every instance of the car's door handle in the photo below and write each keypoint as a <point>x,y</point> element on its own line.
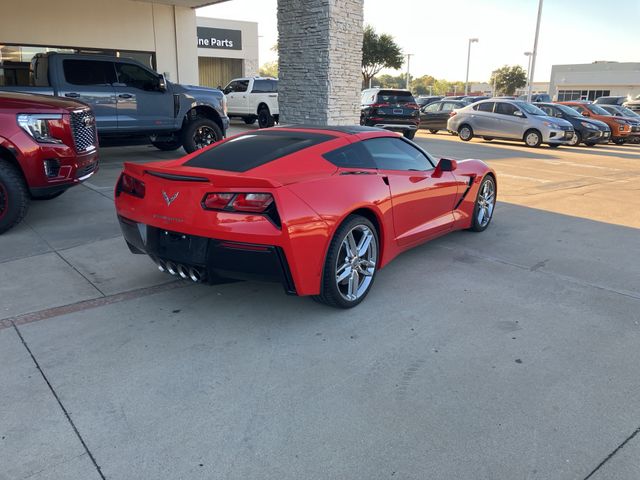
<point>125,95</point>
<point>72,95</point>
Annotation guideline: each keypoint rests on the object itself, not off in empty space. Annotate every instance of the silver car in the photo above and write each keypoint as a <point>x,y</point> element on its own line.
<point>509,120</point>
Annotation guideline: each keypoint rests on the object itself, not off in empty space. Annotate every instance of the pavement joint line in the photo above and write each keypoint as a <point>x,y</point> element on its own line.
<point>611,455</point>
<point>55,395</point>
<point>537,268</point>
<point>79,273</point>
<point>48,313</point>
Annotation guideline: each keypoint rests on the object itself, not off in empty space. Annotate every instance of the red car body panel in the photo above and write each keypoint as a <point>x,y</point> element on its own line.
<point>30,154</point>
<point>313,197</point>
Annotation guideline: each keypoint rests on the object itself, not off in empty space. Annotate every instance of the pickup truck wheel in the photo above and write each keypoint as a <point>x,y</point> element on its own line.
<point>249,120</point>
<point>14,197</point>
<point>167,146</point>
<point>265,119</point>
<point>200,133</point>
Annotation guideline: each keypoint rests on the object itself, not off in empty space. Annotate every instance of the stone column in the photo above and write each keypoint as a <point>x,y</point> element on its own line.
<point>320,50</point>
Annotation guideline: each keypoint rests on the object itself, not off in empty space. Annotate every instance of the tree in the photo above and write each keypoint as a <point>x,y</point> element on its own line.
<point>269,69</point>
<point>378,51</point>
<point>507,79</point>
<point>421,85</point>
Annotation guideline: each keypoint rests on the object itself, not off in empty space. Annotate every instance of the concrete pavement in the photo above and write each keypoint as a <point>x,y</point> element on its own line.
<point>507,354</point>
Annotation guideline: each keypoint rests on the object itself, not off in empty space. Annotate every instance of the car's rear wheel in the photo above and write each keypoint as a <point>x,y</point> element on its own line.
<point>351,264</point>
<point>465,132</point>
<point>265,119</point>
<point>410,134</point>
<point>434,131</point>
<point>576,139</point>
<point>532,138</point>
<point>14,197</point>
<point>200,133</point>
<point>618,141</point>
<point>485,204</point>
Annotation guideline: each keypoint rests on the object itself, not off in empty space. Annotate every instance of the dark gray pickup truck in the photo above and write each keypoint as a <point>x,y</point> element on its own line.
<point>131,100</point>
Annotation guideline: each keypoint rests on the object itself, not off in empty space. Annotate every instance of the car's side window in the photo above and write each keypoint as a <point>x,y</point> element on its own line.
<point>88,72</point>
<point>432,108</point>
<point>548,110</point>
<point>484,107</point>
<point>505,108</point>
<point>230,88</point>
<point>137,77</point>
<point>390,153</point>
<point>242,86</point>
<point>354,155</point>
<point>578,108</point>
<point>448,106</point>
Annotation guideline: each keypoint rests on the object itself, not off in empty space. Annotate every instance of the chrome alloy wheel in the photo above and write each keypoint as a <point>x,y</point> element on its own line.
<point>486,202</point>
<point>533,139</point>
<point>356,262</point>
<point>204,136</point>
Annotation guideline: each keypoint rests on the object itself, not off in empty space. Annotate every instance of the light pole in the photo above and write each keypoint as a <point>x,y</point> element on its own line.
<point>530,55</point>
<point>535,51</point>
<point>408,65</point>
<point>466,81</point>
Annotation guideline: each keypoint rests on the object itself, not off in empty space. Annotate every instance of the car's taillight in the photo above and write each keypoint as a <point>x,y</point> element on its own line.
<point>130,185</point>
<point>238,202</point>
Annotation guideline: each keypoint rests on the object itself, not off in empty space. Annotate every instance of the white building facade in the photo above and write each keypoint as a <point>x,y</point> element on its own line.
<point>592,80</point>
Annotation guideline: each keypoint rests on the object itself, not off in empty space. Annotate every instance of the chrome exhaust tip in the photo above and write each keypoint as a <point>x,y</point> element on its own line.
<point>181,271</point>
<point>161,266</point>
<point>194,274</point>
<point>171,268</point>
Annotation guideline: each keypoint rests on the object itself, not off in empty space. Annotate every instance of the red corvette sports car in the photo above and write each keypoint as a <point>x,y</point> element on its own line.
<point>319,209</point>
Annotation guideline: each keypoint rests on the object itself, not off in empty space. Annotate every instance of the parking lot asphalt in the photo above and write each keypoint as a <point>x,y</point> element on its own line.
<point>510,354</point>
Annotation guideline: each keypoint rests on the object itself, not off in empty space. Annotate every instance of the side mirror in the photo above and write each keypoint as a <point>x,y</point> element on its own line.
<point>518,113</point>
<point>162,83</point>
<point>447,165</point>
<point>586,114</point>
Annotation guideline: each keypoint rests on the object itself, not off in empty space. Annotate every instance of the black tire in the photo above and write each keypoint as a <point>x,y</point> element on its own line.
<point>618,141</point>
<point>434,131</point>
<point>250,120</point>
<point>409,134</point>
<point>554,145</point>
<point>591,144</point>
<point>465,132</point>
<point>529,136</point>
<point>478,225</point>
<point>48,196</point>
<point>14,197</point>
<point>200,133</point>
<point>330,293</point>
<point>265,119</point>
<point>488,139</point>
<point>167,146</point>
<point>576,140</point>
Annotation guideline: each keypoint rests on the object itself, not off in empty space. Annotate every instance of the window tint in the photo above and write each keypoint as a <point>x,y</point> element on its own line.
<point>230,88</point>
<point>351,156</point>
<point>396,97</point>
<point>135,76</point>
<point>432,107</point>
<point>506,108</point>
<point>88,72</point>
<point>578,108</point>
<point>242,85</point>
<point>396,154</point>
<point>548,110</point>
<point>484,107</point>
<point>263,86</point>
<point>255,149</point>
<point>449,106</point>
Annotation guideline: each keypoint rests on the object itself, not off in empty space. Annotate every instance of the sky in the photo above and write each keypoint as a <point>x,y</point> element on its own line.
<point>437,32</point>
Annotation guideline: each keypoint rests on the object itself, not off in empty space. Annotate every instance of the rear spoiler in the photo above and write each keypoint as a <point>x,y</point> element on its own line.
<point>178,173</point>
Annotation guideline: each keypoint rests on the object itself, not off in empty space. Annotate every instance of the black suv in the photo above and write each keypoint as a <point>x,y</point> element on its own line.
<point>588,130</point>
<point>390,108</point>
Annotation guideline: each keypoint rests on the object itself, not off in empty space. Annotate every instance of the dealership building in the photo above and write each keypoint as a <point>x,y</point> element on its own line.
<point>592,80</point>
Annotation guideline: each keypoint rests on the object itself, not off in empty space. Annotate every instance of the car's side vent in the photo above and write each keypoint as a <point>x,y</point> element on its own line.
<point>464,195</point>
<point>176,105</point>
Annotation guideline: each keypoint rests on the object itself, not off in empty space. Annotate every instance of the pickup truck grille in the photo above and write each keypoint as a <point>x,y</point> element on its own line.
<point>83,126</point>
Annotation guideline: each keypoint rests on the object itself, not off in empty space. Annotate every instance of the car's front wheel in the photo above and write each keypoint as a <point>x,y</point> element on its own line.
<point>576,139</point>
<point>351,264</point>
<point>618,141</point>
<point>485,204</point>
<point>200,133</point>
<point>532,138</point>
<point>14,196</point>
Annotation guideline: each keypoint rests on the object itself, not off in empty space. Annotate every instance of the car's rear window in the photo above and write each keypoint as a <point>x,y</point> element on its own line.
<point>255,149</point>
<point>395,97</point>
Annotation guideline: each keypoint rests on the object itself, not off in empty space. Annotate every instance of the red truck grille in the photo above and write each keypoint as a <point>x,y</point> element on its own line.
<point>83,126</point>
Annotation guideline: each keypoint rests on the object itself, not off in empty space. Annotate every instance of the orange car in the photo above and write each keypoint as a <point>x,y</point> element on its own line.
<point>621,129</point>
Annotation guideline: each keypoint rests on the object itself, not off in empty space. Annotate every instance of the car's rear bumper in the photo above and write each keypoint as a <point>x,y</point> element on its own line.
<point>205,259</point>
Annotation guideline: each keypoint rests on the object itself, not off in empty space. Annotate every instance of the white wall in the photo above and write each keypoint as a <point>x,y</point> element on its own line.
<point>619,78</point>
<point>249,51</point>
<point>111,24</point>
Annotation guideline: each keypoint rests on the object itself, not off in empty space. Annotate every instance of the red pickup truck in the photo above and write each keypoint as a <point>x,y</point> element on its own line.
<point>47,145</point>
